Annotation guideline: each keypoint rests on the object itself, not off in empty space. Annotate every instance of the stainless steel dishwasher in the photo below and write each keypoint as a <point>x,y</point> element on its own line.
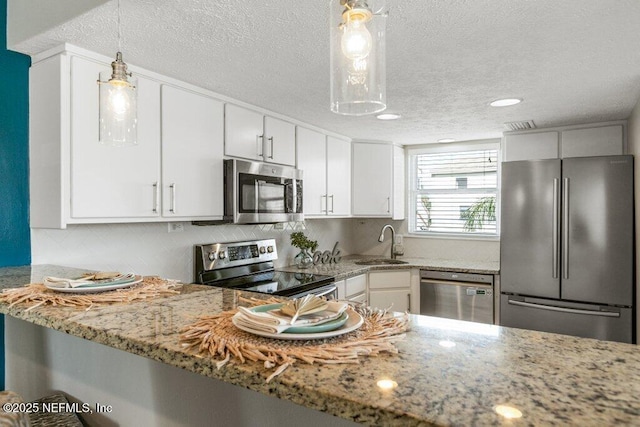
<point>461,296</point>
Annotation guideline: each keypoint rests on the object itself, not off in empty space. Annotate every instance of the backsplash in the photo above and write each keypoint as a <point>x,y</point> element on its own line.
<point>365,233</point>
<point>149,248</point>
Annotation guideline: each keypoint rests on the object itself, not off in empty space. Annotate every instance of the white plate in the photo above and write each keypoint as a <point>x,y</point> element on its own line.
<point>353,322</point>
<point>96,288</point>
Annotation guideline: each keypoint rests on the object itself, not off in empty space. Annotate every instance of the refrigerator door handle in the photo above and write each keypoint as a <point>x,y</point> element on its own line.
<point>555,241</point>
<point>564,309</point>
<point>565,228</point>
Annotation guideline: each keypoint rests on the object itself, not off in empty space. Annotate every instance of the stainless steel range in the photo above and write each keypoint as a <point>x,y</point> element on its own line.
<point>249,266</point>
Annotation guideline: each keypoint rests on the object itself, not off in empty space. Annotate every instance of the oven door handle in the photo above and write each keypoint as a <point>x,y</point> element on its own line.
<point>327,292</point>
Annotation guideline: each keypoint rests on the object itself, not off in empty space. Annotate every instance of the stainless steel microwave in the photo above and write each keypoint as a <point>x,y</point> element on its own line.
<point>262,193</point>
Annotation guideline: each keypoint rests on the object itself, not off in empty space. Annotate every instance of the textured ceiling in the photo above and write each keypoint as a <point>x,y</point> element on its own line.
<point>572,61</point>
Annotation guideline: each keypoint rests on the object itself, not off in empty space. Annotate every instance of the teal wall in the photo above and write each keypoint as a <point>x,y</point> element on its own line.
<point>15,248</point>
<point>14,152</point>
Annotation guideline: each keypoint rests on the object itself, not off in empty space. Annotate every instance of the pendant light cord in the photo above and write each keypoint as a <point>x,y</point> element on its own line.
<point>119,31</point>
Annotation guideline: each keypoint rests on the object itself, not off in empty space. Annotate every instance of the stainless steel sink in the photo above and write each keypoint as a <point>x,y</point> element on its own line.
<point>381,261</point>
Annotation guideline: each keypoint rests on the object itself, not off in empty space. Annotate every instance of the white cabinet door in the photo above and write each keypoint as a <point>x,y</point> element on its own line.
<point>279,141</point>
<point>399,199</point>
<point>530,146</point>
<point>192,153</point>
<point>338,176</point>
<point>599,141</point>
<point>372,179</point>
<point>395,300</point>
<point>106,181</point>
<point>311,158</point>
<point>243,134</point>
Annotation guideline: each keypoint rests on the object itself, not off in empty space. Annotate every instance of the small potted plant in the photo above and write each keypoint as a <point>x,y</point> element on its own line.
<point>304,259</point>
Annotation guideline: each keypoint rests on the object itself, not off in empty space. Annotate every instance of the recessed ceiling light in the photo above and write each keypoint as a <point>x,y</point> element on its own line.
<point>446,140</point>
<point>388,116</point>
<point>505,102</point>
<point>447,344</point>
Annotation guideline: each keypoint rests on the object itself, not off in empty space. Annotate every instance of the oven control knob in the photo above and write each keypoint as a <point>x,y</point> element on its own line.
<point>269,249</point>
<point>262,249</point>
<point>222,255</point>
<point>212,256</point>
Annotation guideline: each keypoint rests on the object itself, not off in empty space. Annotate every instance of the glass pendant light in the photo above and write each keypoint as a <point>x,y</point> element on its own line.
<point>358,71</point>
<point>118,102</point>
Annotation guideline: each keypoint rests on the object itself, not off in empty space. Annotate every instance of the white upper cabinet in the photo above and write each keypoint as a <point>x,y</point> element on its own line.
<point>312,159</point>
<point>192,153</point>
<point>586,141</point>
<point>598,141</point>
<point>112,181</point>
<point>243,133</point>
<point>372,179</point>
<point>530,146</point>
<point>326,165</point>
<point>338,176</point>
<point>251,135</point>
<point>279,141</point>
<point>174,170</point>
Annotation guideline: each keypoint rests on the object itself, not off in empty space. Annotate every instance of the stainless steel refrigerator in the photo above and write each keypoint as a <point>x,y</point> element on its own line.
<point>567,246</point>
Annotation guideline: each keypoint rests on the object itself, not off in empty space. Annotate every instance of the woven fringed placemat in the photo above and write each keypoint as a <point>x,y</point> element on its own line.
<point>218,337</point>
<point>36,294</point>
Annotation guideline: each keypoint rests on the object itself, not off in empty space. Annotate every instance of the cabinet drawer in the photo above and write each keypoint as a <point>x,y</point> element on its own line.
<point>356,285</point>
<point>390,279</point>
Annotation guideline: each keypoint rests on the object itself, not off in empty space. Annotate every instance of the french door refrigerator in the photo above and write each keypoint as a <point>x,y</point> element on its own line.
<point>567,246</point>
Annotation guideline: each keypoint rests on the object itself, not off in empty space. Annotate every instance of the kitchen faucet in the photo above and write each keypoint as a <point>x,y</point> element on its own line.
<point>393,239</point>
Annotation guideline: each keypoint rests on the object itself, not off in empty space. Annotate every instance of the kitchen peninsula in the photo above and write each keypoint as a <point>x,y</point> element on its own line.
<point>447,372</point>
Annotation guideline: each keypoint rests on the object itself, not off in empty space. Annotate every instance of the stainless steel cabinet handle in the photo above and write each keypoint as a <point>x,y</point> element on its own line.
<point>331,197</point>
<point>172,192</point>
<point>409,306</point>
<point>325,203</point>
<point>388,204</point>
<point>155,197</point>
<point>565,310</point>
<point>259,147</point>
<point>556,228</point>
<point>271,140</point>
<point>565,228</point>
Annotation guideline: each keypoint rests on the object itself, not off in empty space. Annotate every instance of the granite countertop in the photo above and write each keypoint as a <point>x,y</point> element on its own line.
<point>347,267</point>
<point>552,379</point>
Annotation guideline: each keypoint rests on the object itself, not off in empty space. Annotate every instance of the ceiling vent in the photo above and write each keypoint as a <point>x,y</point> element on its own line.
<point>520,125</point>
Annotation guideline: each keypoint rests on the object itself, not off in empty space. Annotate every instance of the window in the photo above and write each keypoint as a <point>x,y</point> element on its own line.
<point>454,191</point>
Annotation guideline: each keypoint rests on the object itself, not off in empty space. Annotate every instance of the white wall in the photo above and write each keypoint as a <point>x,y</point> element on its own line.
<point>149,249</point>
<point>633,142</point>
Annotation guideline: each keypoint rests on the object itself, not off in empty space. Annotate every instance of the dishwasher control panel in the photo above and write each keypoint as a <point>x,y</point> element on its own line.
<point>484,279</point>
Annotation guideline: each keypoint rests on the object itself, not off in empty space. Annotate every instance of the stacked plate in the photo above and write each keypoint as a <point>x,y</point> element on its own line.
<point>97,282</point>
<point>269,321</point>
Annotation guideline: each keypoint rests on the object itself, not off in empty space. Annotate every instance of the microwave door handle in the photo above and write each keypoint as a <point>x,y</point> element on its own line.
<point>256,195</point>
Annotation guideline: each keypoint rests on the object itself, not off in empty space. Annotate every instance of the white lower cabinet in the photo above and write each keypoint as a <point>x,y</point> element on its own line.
<point>353,289</point>
<point>390,289</point>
